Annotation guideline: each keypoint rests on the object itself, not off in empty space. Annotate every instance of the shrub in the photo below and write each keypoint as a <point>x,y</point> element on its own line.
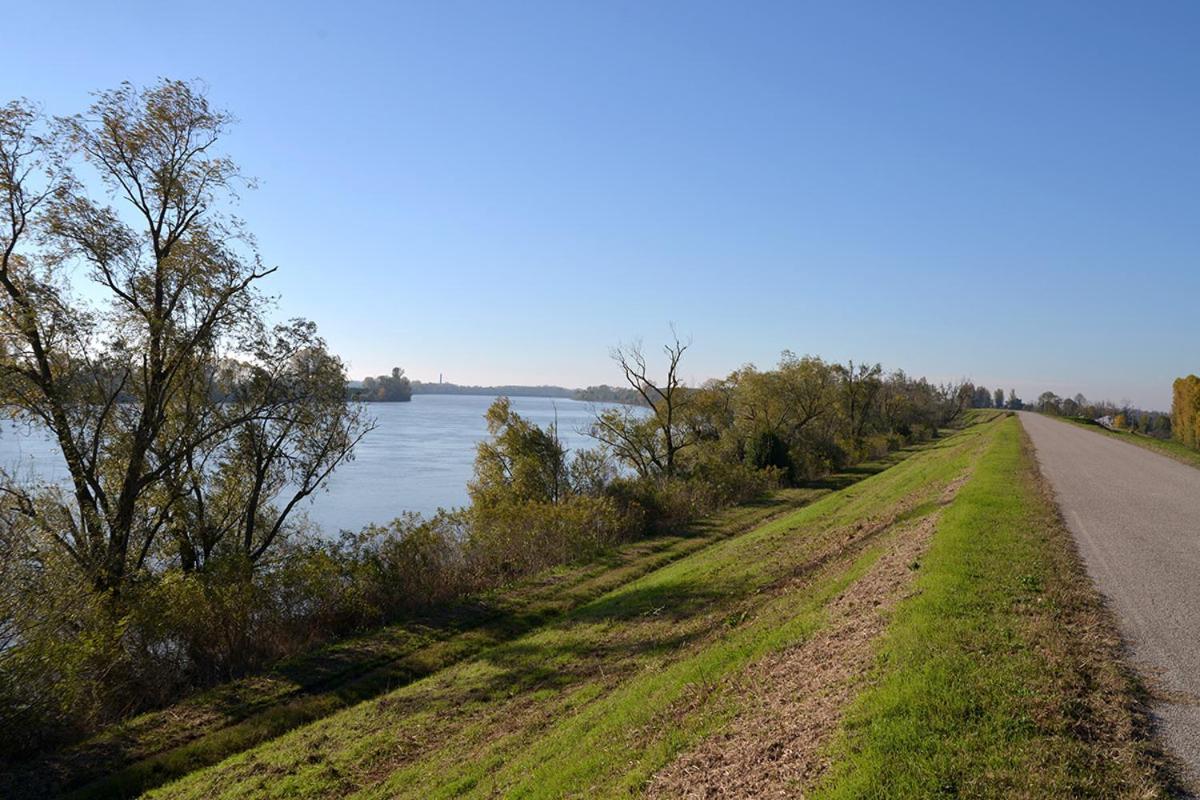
<point>816,458</point>
<point>873,447</point>
<point>514,538</point>
<point>63,665</point>
<point>413,562</point>
<point>768,449</point>
<point>711,486</point>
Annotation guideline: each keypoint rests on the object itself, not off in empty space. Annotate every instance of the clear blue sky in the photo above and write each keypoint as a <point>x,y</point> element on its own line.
<point>500,191</point>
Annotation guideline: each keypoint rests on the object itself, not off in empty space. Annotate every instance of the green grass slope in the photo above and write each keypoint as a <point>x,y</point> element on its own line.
<point>594,703</point>
<point>163,745</point>
<point>996,675</point>
<point>1001,678</point>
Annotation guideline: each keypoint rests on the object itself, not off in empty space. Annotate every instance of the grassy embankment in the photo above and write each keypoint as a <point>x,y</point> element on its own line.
<point>997,675</point>
<point>160,746</point>
<point>1167,447</point>
<point>1002,677</point>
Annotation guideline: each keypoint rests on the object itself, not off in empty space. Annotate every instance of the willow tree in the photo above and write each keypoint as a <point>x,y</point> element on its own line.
<point>132,328</point>
<point>522,461</point>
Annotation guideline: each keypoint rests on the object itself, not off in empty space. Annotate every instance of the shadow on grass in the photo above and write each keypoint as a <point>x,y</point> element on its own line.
<point>356,671</point>
<point>256,723</point>
<point>669,599</point>
<point>570,653</point>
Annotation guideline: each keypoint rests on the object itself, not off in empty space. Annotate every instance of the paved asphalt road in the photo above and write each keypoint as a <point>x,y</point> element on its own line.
<point>1136,517</point>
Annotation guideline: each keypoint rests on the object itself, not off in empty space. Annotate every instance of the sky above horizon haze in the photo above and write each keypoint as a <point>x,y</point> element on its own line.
<point>499,192</point>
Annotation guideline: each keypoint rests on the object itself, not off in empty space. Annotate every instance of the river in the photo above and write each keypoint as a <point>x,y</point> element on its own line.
<point>419,458</point>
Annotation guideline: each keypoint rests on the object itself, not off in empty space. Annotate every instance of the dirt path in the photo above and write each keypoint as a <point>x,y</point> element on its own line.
<point>1135,516</point>
<point>795,698</point>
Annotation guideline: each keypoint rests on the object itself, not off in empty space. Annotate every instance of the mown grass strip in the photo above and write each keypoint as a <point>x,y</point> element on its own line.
<point>1001,677</point>
<point>594,752</point>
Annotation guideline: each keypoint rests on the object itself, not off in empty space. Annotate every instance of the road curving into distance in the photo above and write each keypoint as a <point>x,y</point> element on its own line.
<point>1135,515</point>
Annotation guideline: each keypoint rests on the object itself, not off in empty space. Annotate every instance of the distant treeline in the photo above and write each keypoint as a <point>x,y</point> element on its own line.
<point>609,394</point>
<point>595,394</point>
<point>982,397</point>
<point>1122,417</point>
<point>420,387</point>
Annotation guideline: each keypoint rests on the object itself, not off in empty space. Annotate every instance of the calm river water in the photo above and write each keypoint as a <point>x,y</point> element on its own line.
<point>419,457</point>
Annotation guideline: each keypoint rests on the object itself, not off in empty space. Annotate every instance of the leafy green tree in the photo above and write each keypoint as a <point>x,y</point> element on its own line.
<point>768,449</point>
<point>998,399</point>
<point>592,470</point>
<point>1048,403</point>
<point>859,387</point>
<point>132,375</point>
<point>236,494</point>
<point>777,410</point>
<point>522,461</point>
<point>899,404</point>
<point>1161,426</point>
<point>809,388</point>
<point>711,411</point>
<point>952,400</point>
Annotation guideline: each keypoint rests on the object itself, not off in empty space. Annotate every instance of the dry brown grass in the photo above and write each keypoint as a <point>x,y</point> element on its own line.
<point>793,700</point>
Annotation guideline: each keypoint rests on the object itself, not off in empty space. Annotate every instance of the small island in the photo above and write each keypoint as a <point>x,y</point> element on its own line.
<point>394,388</point>
<point>397,388</point>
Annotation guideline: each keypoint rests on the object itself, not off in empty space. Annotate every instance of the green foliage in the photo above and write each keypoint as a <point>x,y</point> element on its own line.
<point>63,668</point>
<point>412,562</point>
<point>136,335</point>
<point>513,538</point>
<point>386,388</point>
<point>768,449</point>
<point>521,462</point>
<point>712,485</point>
<point>804,418</point>
<point>608,394</point>
<point>1049,403</point>
<point>817,456</point>
<point>1185,411</point>
<point>532,508</point>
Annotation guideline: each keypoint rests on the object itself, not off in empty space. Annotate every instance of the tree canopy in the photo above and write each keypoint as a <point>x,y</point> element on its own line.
<point>132,328</point>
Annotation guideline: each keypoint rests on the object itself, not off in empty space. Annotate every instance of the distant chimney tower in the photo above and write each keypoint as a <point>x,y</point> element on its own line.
<point>439,377</point>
